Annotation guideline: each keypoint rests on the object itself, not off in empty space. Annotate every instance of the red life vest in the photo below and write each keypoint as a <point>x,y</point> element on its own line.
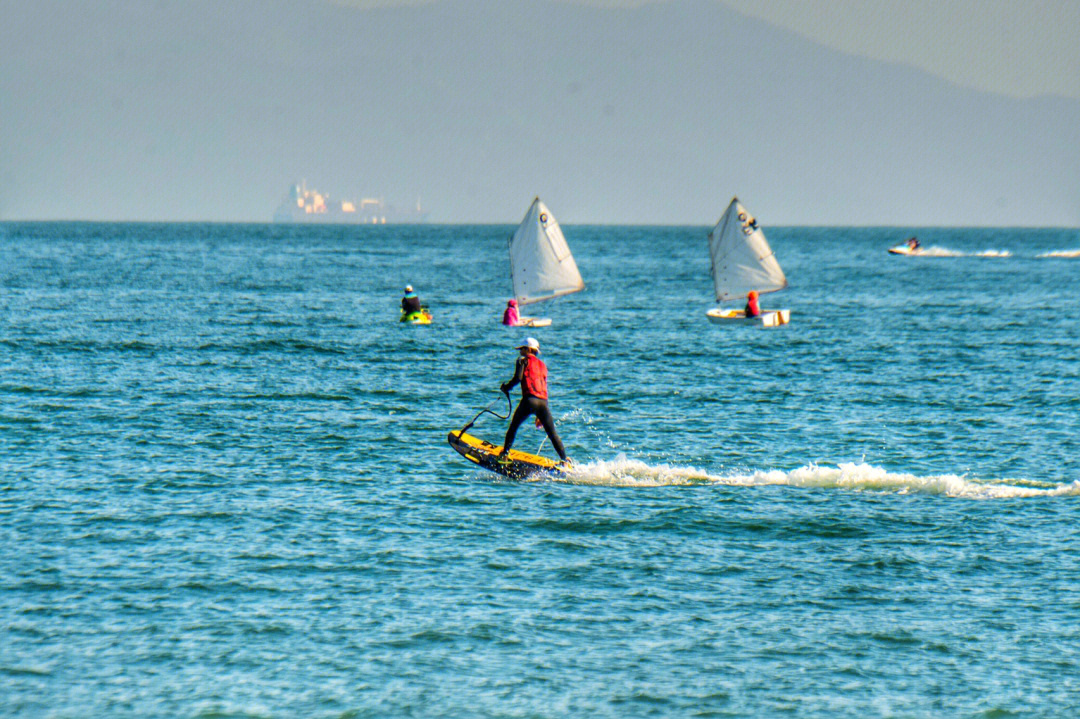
<point>752,309</point>
<point>534,378</point>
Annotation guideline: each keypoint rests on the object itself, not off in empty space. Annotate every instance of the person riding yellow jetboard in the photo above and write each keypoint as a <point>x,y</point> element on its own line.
<point>532,373</point>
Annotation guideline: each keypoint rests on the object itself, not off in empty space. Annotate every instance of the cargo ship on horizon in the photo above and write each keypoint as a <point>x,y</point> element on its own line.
<point>302,205</point>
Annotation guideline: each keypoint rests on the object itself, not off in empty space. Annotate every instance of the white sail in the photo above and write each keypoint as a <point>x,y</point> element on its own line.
<point>540,261</point>
<point>741,258</point>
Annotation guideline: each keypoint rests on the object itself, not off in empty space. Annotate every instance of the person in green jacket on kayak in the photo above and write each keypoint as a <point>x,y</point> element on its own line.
<point>411,301</point>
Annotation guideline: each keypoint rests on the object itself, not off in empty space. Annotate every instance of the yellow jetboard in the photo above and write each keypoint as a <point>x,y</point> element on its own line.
<point>516,464</point>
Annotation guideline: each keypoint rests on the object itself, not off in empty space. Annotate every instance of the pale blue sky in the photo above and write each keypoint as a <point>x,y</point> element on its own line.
<point>839,112</point>
<point>1019,48</point>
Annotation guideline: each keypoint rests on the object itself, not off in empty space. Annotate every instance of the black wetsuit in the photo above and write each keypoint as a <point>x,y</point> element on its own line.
<point>410,304</point>
<point>530,405</point>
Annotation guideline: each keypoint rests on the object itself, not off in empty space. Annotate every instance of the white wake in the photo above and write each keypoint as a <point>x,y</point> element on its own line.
<point>624,472</point>
<point>1060,253</point>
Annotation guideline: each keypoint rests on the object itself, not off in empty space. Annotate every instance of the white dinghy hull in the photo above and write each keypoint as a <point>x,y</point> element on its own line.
<point>767,318</point>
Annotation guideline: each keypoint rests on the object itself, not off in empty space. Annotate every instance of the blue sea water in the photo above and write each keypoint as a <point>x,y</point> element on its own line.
<point>225,488</point>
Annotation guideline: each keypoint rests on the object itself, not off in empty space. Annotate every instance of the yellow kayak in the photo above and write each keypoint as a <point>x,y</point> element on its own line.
<point>423,317</point>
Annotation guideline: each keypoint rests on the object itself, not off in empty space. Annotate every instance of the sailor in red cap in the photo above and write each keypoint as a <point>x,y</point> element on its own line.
<point>752,309</point>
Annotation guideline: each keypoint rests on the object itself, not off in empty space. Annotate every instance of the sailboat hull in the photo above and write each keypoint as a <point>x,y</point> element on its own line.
<point>767,318</point>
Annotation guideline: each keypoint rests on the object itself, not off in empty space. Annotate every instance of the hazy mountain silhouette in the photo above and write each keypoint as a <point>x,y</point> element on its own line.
<point>130,109</point>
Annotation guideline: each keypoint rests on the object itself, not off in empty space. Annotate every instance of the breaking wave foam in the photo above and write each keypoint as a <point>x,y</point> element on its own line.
<point>623,472</point>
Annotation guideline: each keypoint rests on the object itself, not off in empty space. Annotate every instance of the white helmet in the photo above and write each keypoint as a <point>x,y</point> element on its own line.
<point>531,343</point>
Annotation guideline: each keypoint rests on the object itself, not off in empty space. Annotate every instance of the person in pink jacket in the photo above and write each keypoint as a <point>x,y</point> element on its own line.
<point>511,318</point>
